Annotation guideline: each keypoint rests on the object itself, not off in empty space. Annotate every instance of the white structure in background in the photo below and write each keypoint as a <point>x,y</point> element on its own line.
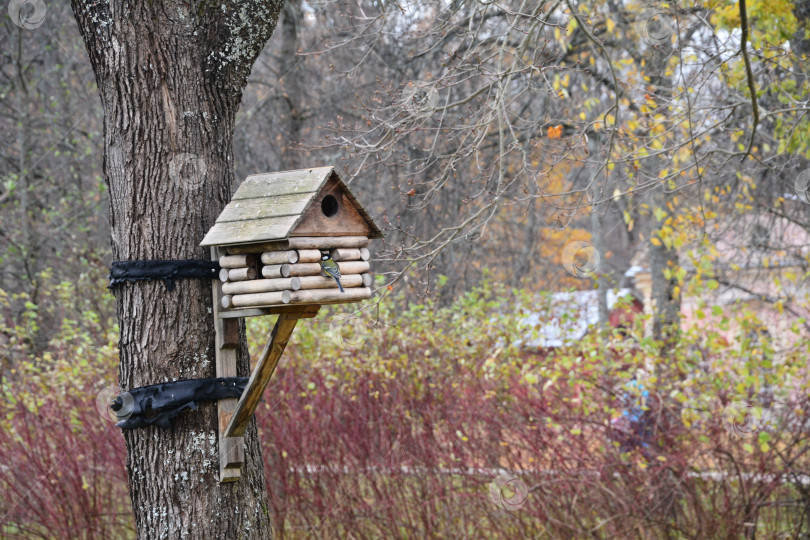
<point>566,317</point>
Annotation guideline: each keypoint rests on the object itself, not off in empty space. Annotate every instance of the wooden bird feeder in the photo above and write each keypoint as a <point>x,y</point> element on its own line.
<point>269,240</point>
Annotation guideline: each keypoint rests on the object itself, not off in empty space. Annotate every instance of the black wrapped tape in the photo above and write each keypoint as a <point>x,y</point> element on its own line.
<point>157,404</point>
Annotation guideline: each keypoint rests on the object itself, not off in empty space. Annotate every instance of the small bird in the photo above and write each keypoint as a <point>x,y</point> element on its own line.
<point>330,268</point>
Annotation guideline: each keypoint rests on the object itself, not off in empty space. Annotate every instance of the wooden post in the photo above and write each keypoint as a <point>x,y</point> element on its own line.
<point>231,450</point>
<point>264,369</point>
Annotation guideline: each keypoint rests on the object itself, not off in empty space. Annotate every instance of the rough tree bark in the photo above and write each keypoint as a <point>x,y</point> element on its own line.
<point>170,75</point>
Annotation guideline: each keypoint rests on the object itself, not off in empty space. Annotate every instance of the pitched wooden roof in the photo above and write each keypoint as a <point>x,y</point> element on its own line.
<point>268,207</point>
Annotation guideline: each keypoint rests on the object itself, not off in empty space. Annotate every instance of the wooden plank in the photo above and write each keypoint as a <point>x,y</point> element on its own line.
<point>282,183</point>
<point>301,242</point>
<point>265,367</point>
<point>264,207</point>
<point>250,231</point>
<point>257,247</point>
<point>231,450</point>
<point>345,221</point>
<point>326,242</point>
<point>306,311</point>
<point>229,337</point>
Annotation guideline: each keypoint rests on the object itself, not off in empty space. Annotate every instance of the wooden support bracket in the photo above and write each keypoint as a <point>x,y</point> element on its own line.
<point>234,414</point>
<point>231,450</point>
<point>264,369</point>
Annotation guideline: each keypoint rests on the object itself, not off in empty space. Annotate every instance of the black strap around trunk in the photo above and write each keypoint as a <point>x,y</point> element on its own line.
<point>158,403</point>
<point>168,271</point>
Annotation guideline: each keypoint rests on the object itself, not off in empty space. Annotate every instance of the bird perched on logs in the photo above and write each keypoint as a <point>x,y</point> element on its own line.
<point>330,268</point>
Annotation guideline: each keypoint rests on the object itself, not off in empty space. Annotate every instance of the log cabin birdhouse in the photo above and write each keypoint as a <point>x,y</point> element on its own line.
<point>271,241</point>
<point>275,231</point>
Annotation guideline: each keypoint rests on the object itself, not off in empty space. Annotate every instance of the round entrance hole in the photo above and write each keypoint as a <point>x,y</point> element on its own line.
<point>329,206</point>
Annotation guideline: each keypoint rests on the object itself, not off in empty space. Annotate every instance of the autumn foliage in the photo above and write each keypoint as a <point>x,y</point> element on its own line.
<point>432,422</point>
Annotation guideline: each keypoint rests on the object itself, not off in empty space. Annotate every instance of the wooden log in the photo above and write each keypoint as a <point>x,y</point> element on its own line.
<point>329,296</point>
<point>241,274</point>
<point>272,271</point>
<point>225,301</point>
<point>322,282</point>
<point>280,257</point>
<point>260,299</point>
<point>353,267</point>
<point>237,261</point>
<point>367,280</point>
<point>300,269</point>
<point>223,275</point>
<point>262,285</point>
<point>309,255</point>
<point>346,254</point>
<point>327,242</point>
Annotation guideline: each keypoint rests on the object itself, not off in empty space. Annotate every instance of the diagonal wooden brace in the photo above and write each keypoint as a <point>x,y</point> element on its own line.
<point>264,369</point>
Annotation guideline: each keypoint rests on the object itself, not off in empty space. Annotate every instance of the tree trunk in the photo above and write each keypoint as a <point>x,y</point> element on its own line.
<point>663,259</point>
<point>290,83</point>
<point>170,75</point>
<point>597,226</point>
